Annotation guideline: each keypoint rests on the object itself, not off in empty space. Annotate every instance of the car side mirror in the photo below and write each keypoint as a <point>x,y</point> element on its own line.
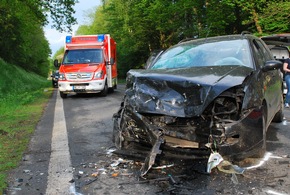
<point>56,64</point>
<point>272,65</point>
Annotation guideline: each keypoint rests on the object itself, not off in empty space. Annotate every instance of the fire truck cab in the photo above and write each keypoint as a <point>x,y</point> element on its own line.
<point>89,65</point>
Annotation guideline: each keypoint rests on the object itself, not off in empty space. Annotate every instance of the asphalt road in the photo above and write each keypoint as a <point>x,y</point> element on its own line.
<point>71,153</point>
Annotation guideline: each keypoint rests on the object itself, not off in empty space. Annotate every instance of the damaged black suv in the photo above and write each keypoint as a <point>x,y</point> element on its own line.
<point>216,94</point>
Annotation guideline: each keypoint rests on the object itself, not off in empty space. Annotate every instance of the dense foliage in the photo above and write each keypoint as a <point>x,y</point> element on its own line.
<point>142,26</point>
<point>138,26</point>
<point>22,40</point>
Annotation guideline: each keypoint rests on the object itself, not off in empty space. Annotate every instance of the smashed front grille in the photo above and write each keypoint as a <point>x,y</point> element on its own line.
<point>224,110</point>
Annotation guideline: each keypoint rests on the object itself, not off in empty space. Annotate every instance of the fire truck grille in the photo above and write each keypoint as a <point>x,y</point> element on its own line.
<point>80,76</point>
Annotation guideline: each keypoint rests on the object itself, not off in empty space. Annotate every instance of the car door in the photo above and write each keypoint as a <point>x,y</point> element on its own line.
<point>271,79</point>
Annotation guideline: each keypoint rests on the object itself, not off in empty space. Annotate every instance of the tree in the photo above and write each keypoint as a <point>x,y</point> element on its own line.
<point>60,11</point>
<point>22,40</point>
<point>275,17</point>
<point>142,26</point>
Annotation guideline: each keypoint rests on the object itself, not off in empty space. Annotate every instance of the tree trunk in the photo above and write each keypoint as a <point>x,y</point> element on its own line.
<point>256,20</point>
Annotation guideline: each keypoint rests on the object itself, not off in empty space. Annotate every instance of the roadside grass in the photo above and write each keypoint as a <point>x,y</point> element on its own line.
<point>23,97</point>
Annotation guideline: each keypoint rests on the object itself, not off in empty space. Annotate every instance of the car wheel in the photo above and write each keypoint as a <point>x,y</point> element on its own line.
<point>111,90</point>
<point>261,151</point>
<point>62,95</point>
<point>104,92</point>
<point>278,118</point>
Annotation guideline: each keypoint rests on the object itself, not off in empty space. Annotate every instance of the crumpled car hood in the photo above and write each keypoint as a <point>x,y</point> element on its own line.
<point>180,92</point>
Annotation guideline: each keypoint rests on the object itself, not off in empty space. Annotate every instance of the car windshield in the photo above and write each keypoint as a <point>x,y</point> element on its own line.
<point>82,56</point>
<point>203,53</point>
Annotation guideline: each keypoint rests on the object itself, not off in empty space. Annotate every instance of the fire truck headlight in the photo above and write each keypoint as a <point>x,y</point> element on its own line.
<point>98,75</point>
<point>61,77</point>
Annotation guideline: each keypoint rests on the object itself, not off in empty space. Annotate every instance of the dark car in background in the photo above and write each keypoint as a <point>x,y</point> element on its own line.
<point>54,78</point>
<point>217,94</point>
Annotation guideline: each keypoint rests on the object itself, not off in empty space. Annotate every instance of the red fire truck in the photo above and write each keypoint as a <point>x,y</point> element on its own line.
<point>89,65</point>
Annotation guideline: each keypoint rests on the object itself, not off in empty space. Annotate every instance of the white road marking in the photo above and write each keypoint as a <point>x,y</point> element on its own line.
<point>60,169</point>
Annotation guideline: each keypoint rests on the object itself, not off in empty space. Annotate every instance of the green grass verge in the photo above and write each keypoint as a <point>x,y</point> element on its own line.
<point>23,97</point>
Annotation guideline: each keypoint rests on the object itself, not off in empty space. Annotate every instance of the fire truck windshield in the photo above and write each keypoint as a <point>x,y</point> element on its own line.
<point>83,56</point>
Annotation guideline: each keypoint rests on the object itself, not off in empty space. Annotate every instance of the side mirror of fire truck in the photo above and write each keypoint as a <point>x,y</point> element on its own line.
<point>111,62</point>
<point>56,64</point>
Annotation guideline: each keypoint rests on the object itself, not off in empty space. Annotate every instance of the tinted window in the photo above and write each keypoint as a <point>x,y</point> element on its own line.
<point>262,54</point>
<point>265,51</point>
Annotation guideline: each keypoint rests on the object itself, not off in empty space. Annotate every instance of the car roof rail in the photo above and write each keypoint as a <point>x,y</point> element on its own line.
<point>245,32</point>
<point>185,40</point>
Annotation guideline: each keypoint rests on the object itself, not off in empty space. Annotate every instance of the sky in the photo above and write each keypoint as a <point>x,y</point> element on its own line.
<point>55,38</point>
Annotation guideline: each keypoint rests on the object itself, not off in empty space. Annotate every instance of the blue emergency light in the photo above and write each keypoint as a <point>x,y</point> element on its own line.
<point>68,39</point>
<point>101,38</point>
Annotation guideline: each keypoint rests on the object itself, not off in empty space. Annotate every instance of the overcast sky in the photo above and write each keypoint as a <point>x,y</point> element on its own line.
<point>55,38</point>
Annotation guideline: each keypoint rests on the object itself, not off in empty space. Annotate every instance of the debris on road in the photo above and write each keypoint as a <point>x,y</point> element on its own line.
<point>216,160</point>
<point>170,176</point>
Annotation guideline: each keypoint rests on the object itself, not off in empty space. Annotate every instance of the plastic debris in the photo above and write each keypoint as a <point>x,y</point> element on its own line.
<point>119,161</point>
<point>172,180</point>
<point>26,171</point>
<point>115,174</point>
<point>227,167</point>
<point>155,150</point>
<point>110,152</point>
<point>216,160</point>
<point>19,180</point>
<point>89,181</point>
<point>234,178</point>
<point>127,173</point>
<point>116,163</point>
<point>95,174</point>
<point>163,166</point>
<point>71,181</point>
<point>213,161</point>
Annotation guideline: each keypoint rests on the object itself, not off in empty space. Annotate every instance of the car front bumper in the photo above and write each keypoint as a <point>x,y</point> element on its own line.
<point>236,140</point>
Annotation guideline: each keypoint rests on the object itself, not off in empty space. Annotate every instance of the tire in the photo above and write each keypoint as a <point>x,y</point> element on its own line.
<point>62,95</point>
<point>111,90</point>
<point>261,151</point>
<point>278,118</point>
<point>54,84</point>
<point>104,92</point>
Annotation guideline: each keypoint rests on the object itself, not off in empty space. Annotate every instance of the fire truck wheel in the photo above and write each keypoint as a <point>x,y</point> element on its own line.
<point>104,92</point>
<point>111,90</point>
<point>62,95</point>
